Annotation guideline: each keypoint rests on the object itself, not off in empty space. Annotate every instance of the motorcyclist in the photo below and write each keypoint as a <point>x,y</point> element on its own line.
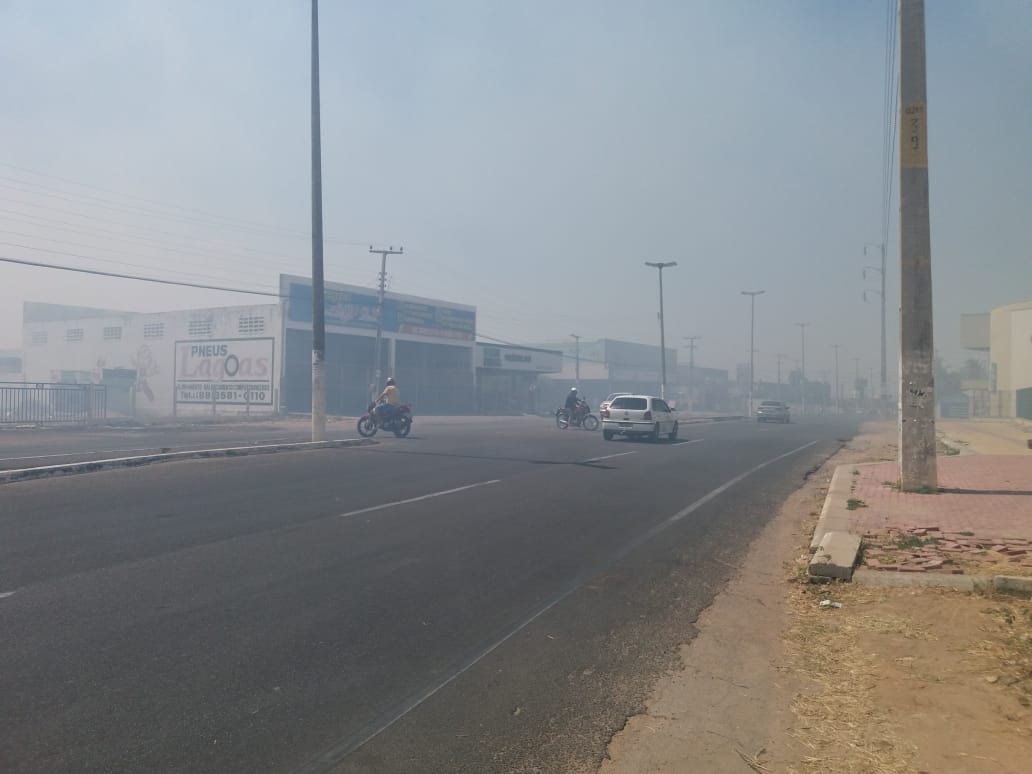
<point>574,405</point>
<point>388,401</point>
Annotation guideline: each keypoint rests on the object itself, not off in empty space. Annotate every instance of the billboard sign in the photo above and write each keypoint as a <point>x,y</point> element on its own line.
<point>519,359</point>
<point>234,372</point>
<point>347,308</point>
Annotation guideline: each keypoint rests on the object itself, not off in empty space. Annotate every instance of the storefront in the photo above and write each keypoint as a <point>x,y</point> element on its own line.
<point>507,377</point>
<point>427,347</point>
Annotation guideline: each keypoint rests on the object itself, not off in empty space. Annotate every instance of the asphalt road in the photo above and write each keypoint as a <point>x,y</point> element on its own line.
<point>488,595</point>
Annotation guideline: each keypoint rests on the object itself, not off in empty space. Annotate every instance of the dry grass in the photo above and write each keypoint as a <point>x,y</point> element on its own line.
<point>864,662</point>
<point>839,723</point>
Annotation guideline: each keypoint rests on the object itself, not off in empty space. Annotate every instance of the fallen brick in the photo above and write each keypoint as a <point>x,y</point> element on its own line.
<point>911,568</point>
<point>956,571</point>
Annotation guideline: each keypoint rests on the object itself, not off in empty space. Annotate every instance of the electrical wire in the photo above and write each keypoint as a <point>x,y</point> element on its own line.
<point>228,219</point>
<point>118,275</point>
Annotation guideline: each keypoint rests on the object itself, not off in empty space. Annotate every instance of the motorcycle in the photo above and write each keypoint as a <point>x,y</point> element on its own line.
<point>581,417</point>
<point>398,421</point>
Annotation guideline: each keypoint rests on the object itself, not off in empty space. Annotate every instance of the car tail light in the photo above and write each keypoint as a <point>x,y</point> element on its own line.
<point>605,413</point>
<point>648,416</point>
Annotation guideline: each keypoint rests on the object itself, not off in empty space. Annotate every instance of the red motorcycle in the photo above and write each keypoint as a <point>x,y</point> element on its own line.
<point>580,417</point>
<point>397,420</point>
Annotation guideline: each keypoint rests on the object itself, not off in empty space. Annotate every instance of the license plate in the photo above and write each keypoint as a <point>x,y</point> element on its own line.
<point>626,424</point>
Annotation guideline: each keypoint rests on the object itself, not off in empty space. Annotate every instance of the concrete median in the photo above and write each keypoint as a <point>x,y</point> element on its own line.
<point>91,466</point>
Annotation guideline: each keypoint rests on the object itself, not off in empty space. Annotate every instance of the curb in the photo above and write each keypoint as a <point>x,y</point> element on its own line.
<point>91,466</point>
<point>1007,584</point>
<point>834,515</point>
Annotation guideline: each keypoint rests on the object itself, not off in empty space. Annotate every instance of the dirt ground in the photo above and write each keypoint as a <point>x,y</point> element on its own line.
<point>896,680</point>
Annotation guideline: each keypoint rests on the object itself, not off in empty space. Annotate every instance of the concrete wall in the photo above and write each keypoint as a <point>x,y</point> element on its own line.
<point>84,349</point>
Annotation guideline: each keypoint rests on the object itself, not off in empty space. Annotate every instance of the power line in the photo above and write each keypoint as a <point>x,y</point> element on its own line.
<point>108,250</point>
<point>103,260</point>
<point>206,213</point>
<point>99,273</point>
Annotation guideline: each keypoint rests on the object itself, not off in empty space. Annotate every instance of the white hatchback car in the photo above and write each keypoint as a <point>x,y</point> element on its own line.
<point>643,415</point>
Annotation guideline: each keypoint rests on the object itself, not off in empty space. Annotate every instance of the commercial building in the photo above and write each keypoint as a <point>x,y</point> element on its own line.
<point>1005,334</point>
<point>258,359</point>
<point>607,366</point>
<point>427,346</point>
<point>11,365</point>
<point>507,377</point>
<point>200,361</point>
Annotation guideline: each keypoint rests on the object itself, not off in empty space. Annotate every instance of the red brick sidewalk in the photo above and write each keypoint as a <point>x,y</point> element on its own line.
<point>983,495</point>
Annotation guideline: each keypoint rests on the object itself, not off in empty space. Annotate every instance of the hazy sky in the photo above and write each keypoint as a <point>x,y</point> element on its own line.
<point>528,155</point>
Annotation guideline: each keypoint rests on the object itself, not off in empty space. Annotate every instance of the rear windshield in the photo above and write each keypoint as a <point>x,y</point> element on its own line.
<point>770,403</point>
<point>637,404</point>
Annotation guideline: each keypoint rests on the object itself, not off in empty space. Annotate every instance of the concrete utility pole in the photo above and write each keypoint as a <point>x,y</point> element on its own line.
<point>691,371</point>
<point>917,463</point>
<point>662,328</point>
<point>883,391</point>
<point>576,361</point>
<point>378,353</point>
<point>780,358</point>
<point>838,384</point>
<point>752,343</point>
<point>802,368</point>
<point>318,291</point>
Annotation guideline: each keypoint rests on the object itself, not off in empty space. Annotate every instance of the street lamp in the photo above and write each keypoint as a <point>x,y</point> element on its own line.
<point>752,342</point>
<point>838,384</point>
<point>691,371</point>
<point>660,265</point>
<point>802,368</point>
<point>576,366</point>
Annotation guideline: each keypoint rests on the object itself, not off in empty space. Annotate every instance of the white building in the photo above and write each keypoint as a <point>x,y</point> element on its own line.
<point>1006,334</point>
<point>200,361</point>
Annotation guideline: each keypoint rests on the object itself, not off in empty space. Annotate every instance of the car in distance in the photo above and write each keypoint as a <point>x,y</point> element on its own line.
<point>605,404</point>
<point>639,415</point>
<point>772,411</point>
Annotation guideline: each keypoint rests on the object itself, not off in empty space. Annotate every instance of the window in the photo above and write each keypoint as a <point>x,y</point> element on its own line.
<point>39,337</point>
<point>251,325</point>
<point>199,328</point>
<point>632,404</point>
<point>112,333</point>
<point>153,330</point>
<point>74,335</point>
<point>660,405</point>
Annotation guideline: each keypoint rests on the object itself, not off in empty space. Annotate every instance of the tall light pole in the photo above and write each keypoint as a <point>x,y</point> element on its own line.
<point>838,391</point>
<point>752,343</point>
<point>856,381</point>
<point>883,391</point>
<point>576,366</point>
<point>780,358</point>
<point>691,371</point>
<point>378,351</point>
<point>917,464</point>
<point>802,368</point>
<point>660,265</point>
<point>318,289</point>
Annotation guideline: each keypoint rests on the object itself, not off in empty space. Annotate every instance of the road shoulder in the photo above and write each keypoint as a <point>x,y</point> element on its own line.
<point>728,704</point>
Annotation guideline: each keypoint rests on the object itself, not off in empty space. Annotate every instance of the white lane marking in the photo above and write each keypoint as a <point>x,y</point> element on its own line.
<point>417,499</point>
<point>330,758</point>
<point>689,443</point>
<point>6,594</point>
<point>607,457</point>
